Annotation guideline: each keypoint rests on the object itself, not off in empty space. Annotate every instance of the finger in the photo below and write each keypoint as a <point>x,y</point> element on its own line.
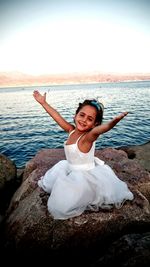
<point>35,93</point>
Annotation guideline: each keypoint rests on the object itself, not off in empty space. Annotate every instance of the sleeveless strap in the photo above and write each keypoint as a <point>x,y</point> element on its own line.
<point>71,132</point>
<point>78,137</point>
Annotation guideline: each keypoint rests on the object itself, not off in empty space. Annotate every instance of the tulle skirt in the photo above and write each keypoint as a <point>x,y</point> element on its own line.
<point>74,191</point>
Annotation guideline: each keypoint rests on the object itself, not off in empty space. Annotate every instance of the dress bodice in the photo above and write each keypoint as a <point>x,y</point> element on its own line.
<point>78,159</point>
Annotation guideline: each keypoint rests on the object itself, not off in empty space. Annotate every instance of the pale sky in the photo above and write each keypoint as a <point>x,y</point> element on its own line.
<point>58,36</point>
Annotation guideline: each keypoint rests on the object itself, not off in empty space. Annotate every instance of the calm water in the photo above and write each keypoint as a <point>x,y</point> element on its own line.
<point>27,128</point>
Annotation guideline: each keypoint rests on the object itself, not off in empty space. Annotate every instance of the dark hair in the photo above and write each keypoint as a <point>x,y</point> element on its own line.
<point>94,103</point>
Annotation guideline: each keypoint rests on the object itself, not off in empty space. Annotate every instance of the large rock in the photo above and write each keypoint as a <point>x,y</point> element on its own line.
<point>140,153</point>
<point>30,227</point>
<point>8,173</point>
<point>128,251</point>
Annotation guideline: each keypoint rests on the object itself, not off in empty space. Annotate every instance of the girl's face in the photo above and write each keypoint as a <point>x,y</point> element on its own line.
<point>85,118</point>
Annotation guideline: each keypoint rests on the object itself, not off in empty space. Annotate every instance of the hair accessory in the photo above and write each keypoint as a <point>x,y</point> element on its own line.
<point>97,104</point>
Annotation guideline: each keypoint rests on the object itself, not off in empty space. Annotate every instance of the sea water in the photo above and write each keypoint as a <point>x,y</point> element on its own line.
<point>26,128</point>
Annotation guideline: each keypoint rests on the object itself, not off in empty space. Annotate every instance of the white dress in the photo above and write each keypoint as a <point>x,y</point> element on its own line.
<point>82,182</point>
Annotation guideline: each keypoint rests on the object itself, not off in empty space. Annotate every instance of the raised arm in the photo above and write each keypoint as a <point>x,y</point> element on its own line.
<point>41,99</point>
<point>100,129</point>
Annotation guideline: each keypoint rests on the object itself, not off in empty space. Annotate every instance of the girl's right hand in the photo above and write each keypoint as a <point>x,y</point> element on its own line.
<point>122,115</point>
<point>39,98</point>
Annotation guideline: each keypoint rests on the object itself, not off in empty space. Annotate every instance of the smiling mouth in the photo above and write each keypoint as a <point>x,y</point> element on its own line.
<point>82,124</point>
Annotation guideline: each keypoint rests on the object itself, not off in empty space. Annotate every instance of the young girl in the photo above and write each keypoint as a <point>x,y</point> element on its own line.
<point>82,181</point>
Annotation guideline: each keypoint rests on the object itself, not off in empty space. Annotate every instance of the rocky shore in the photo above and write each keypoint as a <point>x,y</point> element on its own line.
<point>118,236</point>
<point>140,153</point>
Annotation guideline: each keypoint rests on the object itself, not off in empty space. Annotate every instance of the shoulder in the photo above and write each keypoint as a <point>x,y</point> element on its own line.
<point>91,136</point>
<point>71,129</point>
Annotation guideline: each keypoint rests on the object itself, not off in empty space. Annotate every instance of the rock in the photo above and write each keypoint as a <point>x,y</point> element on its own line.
<point>8,172</point>
<point>140,153</point>
<point>131,250</point>
<point>30,227</point>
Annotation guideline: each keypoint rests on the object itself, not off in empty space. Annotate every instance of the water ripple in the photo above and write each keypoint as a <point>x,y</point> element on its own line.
<point>26,127</point>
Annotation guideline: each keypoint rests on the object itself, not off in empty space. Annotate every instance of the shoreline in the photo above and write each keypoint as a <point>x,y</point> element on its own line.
<point>71,84</point>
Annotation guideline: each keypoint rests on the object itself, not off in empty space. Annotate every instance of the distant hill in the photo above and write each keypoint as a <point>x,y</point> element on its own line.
<point>8,79</point>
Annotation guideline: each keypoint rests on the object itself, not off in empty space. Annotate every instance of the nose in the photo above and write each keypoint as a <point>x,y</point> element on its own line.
<point>84,118</point>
